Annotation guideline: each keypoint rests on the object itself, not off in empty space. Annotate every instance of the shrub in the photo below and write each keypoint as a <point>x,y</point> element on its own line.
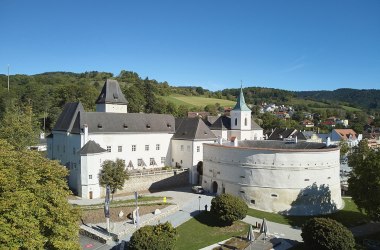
<point>325,233</point>
<point>229,208</point>
<point>157,237</point>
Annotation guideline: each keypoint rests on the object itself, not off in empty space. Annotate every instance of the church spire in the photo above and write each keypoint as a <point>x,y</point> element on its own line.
<point>240,103</point>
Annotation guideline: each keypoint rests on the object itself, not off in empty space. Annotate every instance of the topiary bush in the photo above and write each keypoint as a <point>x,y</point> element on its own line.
<point>229,208</point>
<point>157,237</point>
<point>325,233</point>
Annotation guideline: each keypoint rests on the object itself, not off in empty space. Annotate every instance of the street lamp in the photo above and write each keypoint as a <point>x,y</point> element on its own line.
<point>199,208</point>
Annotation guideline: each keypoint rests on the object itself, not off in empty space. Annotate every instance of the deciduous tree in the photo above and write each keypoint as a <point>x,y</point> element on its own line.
<point>229,208</point>
<point>114,174</point>
<point>34,212</point>
<point>364,180</point>
<point>19,126</point>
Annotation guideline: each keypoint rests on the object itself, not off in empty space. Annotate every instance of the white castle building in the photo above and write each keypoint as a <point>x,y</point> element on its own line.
<point>82,140</point>
<point>298,178</point>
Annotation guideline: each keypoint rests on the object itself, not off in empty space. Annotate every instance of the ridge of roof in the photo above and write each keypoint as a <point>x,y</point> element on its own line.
<point>111,93</point>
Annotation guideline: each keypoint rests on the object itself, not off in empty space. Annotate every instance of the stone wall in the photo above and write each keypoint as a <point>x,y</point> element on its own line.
<point>155,180</point>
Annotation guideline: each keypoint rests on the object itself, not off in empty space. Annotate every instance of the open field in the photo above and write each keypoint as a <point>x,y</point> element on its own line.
<point>349,216</point>
<point>196,101</point>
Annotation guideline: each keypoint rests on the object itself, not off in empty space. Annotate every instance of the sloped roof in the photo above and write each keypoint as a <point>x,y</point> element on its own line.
<point>192,129</point>
<point>111,93</point>
<point>346,133</point>
<point>91,147</point>
<point>74,117</point>
<point>240,103</point>
<point>281,133</point>
<point>68,116</point>
<point>224,122</point>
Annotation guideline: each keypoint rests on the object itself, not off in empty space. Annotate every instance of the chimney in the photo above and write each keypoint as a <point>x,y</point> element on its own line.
<point>85,131</point>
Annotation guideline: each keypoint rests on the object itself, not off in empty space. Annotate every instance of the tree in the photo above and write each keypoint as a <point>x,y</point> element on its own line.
<point>157,237</point>
<point>114,174</point>
<point>364,180</point>
<point>326,234</point>
<point>343,148</point>
<point>229,208</point>
<point>34,212</point>
<point>19,126</point>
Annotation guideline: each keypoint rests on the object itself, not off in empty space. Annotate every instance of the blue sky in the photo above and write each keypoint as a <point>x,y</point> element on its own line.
<point>293,44</point>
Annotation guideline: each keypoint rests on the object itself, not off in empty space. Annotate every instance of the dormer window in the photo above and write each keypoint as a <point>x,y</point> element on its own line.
<point>115,96</point>
<point>100,125</point>
<point>148,126</point>
<point>125,126</point>
<point>169,125</point>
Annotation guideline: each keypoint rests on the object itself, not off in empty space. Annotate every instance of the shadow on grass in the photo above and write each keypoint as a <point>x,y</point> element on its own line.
<point>210,219</point>
<point>347,218</point>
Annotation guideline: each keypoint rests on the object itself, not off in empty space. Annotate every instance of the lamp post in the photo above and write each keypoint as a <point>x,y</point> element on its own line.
<point>199,207</point>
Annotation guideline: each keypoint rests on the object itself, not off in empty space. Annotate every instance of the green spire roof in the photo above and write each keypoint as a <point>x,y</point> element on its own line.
<point>240,104</point>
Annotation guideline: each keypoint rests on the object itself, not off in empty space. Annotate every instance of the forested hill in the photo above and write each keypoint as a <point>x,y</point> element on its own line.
<point>47,93</point>
<point>364,98</point>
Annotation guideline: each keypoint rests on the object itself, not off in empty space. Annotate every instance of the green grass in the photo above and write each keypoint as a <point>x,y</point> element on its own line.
<point>349,216</point>
<point>196,101</point>
<point>203,231</point>
<point>117,203</point>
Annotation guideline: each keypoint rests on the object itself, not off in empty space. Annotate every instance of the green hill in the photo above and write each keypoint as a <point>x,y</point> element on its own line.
<point>197,101</point>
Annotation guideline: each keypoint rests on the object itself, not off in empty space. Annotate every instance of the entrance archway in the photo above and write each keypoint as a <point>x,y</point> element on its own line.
<point>215,187</point>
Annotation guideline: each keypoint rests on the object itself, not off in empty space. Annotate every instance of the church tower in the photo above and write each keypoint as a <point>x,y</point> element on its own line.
<point>241,114</point>
<point>111,99</point>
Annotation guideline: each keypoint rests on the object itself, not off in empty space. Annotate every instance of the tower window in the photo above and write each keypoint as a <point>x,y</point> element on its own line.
<point>235,121</point>
<point>245,121</point>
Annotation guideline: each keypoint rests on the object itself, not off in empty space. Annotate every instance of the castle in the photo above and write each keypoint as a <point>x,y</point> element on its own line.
<point>83,140</point>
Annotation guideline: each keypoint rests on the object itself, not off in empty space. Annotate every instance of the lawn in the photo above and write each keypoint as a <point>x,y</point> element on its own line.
<point>196,101</point>
<point>349,216</point>
<point>203,231</point>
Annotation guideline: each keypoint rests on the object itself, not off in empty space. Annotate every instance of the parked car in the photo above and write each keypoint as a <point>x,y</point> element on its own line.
<point>198,189</point>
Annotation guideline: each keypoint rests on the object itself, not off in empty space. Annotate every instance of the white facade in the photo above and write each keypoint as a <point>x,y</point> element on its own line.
<point>112,108</point>
<point>187,154</point>
<point>275,180</point>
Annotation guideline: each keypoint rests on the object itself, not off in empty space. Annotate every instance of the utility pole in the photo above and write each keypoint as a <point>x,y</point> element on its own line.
<point>8,77</point>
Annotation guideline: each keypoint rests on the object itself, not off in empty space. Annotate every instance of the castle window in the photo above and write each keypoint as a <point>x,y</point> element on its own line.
<point>73,151</point>
<point>182,147</point>
<point>198,148</point>
<point>120,149</point>
<point>245,121</point>
<point>90,177</point>
<point>146,147</point>
<point>163,159</point>
<point>108,148</point>
<point>133,147</point>
<point>157,146</point>
<point>235,121</point>
<point>274,195</point>
<point>307,179</point>
<point>152,162</point>
<point>188,148</point>
<point>253,202</point>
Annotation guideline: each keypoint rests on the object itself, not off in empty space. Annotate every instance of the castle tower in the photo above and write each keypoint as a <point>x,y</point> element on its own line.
<point>111,99</point>
<point>241,114</point>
